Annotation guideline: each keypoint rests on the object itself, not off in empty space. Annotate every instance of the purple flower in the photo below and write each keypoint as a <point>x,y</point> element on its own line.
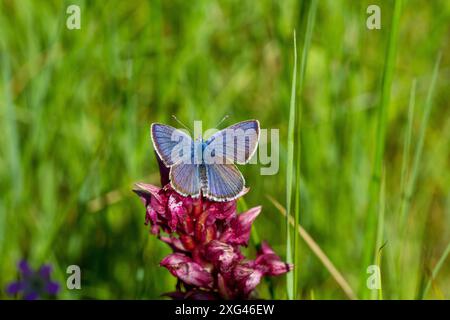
<point>188,271</point>
<point>269,263</point>
<point>33,284</point>
<point>238,231</point>
<point>246,277</point>
<point>206,237</point>
<point>222,255</point>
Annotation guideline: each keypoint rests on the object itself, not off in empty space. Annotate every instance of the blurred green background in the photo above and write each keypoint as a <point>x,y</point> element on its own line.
<point>76,106</point>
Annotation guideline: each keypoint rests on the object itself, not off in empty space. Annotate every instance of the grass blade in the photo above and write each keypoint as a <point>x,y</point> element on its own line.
<point>382,112</point>
<point>435,271</point>
<point>290,173</point>
<point>423,129</point>
<point>403,181</point>
<point>380,234</point>
<point>406,151</point>
<point>303,63</point>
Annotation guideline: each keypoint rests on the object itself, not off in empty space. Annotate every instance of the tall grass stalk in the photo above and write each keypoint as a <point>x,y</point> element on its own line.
<point>382,113</point>
<point>418,155</point>
<point>411,182</point>
<point>406,150</point>
<point>419,149</point>
<point>380,235</point>
<point>290,173</point>
<point>303,63</point>
<point>403,182</point>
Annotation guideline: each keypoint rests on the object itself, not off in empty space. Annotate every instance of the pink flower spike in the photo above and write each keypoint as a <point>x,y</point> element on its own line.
<point>188,271</point>
<point>205,237</point>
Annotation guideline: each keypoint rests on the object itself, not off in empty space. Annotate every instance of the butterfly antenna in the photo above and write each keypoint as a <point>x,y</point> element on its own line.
<point>223,119</point>
<point>186,127</point>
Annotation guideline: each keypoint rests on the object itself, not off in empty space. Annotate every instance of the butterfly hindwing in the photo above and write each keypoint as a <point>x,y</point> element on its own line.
<point>185,179</point>
<point>224,182</point>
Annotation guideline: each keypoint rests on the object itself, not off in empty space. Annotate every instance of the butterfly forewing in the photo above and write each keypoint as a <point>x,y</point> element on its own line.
<point>235,144</point>
<point>172,145</point>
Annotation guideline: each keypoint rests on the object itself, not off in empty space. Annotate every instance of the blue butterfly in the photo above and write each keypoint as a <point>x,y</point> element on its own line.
<point>207,167</point>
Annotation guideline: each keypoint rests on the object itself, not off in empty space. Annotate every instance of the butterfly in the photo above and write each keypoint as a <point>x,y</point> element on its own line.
<point>207,167</point>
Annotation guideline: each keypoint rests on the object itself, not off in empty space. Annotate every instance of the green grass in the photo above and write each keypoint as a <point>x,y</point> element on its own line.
<point>419,148</point>
<point>435,272</point>
<point>406,154</point>
<point>380,136</point>
<point>366,112</point>
<point>290,184</point>
<point>312,8</point>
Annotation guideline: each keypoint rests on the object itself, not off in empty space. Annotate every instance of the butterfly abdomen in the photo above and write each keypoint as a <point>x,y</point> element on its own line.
<point>203,179</point>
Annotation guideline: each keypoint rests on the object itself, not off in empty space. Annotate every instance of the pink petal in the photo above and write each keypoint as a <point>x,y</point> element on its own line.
<point>174,243</point>
<point>239,230</point>
<point>223,210</point>
<point>154,201</point>
<point>188,271</point>
<point>269,263</point>
<point>152,217</point>
<point>271,266</point>
<point>145,190</point>
<point>266,249</point>
<point>177,211</point>
<point>247,278</point>
<point>222,255</point>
